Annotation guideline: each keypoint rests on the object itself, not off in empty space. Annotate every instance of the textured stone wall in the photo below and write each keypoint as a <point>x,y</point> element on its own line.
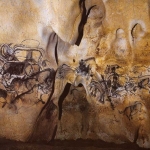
<point>75,69</point>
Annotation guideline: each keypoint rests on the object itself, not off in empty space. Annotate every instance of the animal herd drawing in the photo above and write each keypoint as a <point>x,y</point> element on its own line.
<point>23,70</point>
<point>21,74</point>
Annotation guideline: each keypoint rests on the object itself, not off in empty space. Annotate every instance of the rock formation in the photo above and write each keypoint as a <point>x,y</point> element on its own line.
<point>75,69</point>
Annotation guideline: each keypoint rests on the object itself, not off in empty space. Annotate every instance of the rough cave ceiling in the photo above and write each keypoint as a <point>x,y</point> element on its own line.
<point>75,69</point>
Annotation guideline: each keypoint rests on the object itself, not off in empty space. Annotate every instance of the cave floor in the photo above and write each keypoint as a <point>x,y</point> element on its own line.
<point>66,145</point>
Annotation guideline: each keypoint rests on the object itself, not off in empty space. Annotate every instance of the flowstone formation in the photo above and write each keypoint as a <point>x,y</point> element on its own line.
<point>75,69</point>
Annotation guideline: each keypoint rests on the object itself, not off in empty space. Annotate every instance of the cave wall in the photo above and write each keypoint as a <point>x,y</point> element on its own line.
<point>75,69</point>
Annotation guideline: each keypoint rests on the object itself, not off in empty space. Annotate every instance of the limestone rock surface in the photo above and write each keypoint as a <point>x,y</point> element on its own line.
<point>75,69</point>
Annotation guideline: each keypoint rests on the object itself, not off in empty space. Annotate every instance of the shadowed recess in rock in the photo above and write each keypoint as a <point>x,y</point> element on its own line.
<point>62,98</point>
<point>85,14</point>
